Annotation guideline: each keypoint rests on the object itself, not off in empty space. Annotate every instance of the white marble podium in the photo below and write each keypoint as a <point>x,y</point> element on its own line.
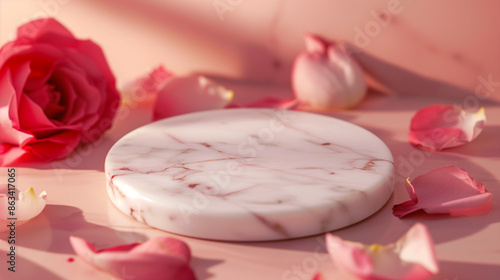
<point>249,174</point>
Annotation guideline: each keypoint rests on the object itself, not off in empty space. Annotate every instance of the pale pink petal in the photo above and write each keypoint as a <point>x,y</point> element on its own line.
<point>439,127</point>
<point>145,89</point>
<point>326,77</point>
<point>417,247</point>
<point>181,95</point>
<point>158,258</point>
<point>349,255</point>
<point>446,190</point>
<point>274,103</point>
<point>27,204</point>
<point>412,257</point>
<point>315,43</point>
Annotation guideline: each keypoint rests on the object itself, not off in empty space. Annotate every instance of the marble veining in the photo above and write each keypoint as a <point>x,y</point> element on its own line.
<point>249,174</point>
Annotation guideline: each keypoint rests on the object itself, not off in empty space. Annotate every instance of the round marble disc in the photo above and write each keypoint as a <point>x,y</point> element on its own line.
<point>249,174</point>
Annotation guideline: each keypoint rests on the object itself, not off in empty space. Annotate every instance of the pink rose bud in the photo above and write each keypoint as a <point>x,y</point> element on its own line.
<point>326,77</point>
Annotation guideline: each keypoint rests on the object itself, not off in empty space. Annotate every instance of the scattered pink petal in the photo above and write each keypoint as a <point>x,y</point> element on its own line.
<point>144,89</point>
<point>158,258</point>
<point>411,257</point>
<point>181,95</point>
<point>26,205</point>
<point>445,190</point>
<point>274,103</point>
<point>439,127</point>
<point>325,76</point>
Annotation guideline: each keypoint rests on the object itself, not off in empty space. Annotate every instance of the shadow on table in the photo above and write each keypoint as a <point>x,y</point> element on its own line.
<point>25,269</point>
<point>450,270</point>
<point>201,266</point>
<point>485,145</point>
<point>50,231</point>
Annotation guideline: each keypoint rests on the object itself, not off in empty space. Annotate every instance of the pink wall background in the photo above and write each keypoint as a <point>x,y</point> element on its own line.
<point>412,47</point>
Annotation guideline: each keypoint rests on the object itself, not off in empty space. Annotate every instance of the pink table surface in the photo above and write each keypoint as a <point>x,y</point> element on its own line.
<point>467,247</point>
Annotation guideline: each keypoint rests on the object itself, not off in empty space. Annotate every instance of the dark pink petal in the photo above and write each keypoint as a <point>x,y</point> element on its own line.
<point>274,103</point>
<point>447,190</point>
<point>40,28</point>
<point>158,258</point>
<point>162,245</point>
<point>54,147</point>
<point>438,127</point>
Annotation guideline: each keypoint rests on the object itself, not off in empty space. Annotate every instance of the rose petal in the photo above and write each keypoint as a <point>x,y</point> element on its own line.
<point>315,43</point>
<point>144,89</point>
<point>446,190</point>
<point>326,77</point>
<point>26,206</point>
<point>439,127</point>
<point>182,95</point>
<point>349,255</point>
<point>158,258</point>
<point>41,29</point>
<point>417,246</point>
<point>412,257</point>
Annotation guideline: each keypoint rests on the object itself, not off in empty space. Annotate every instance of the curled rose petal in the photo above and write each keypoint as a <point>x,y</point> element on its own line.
<point>181,95</point>
<point>411,257</point>
<point>27,205</point>
<point>325,76</point>
<point>144,89</point>
<point>445,190</point>
<point>439,127</point>
<point>160,257</point>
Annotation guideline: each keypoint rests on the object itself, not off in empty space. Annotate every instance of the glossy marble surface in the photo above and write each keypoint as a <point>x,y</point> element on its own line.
<point>249,174</point>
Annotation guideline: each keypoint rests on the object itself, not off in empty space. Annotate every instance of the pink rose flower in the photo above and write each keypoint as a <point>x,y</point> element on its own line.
<point>56,91</point>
